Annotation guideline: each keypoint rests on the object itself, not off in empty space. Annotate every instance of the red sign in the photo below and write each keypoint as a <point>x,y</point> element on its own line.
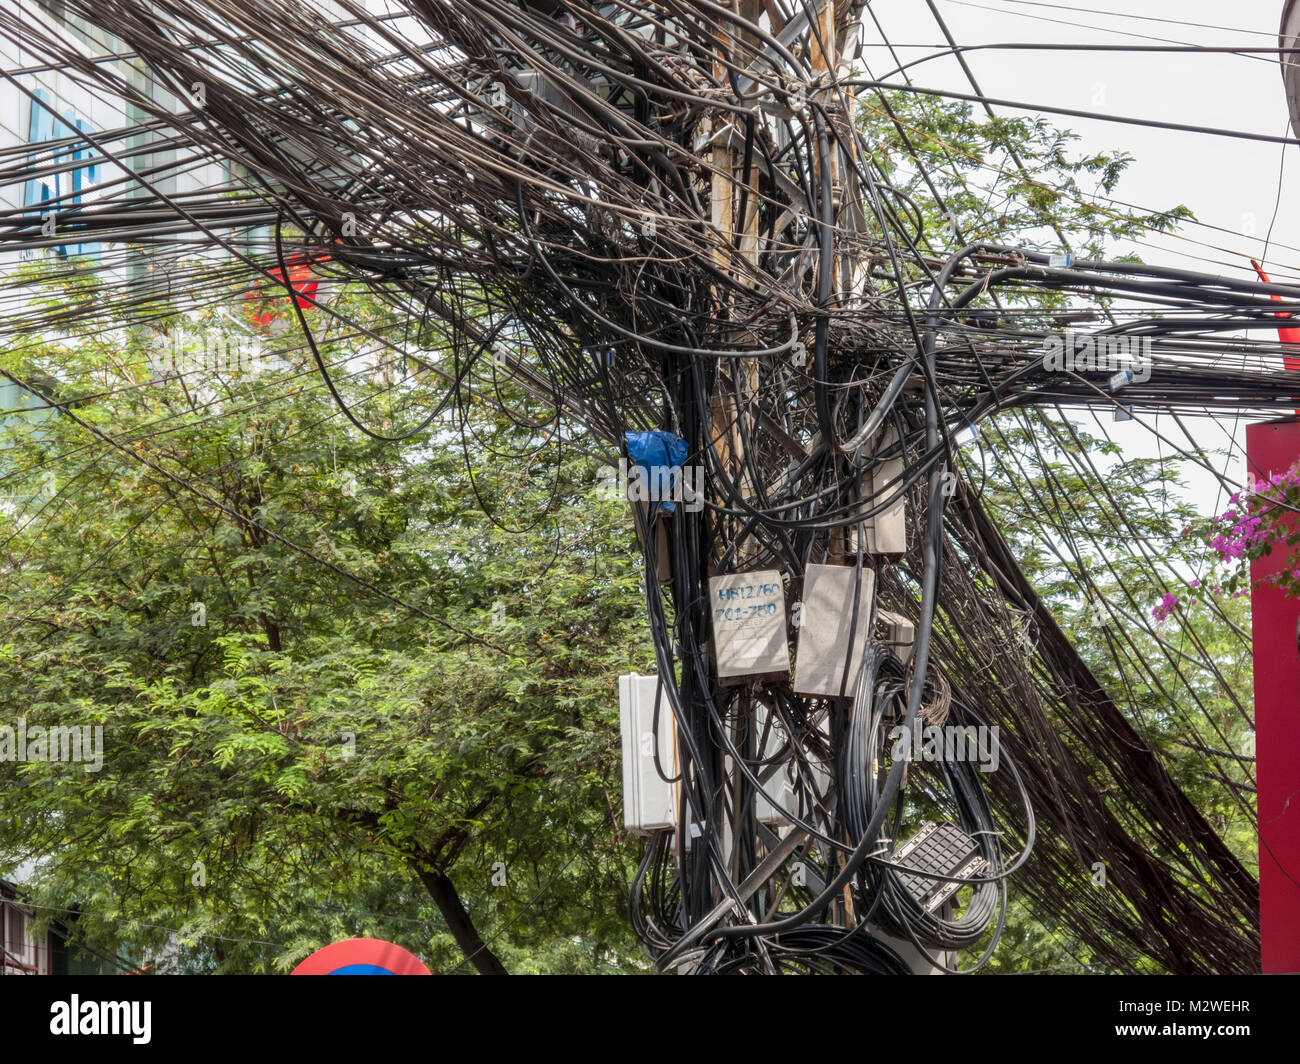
<point>302,281</point>
<point>362,956</point>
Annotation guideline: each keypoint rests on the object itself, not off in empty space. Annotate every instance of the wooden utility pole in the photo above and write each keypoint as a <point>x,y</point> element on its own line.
<point>737,187</point>
<point>733,192</point>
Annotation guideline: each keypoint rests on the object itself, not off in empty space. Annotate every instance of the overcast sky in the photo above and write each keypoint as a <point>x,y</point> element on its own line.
<point>1229,184</point>
<point>1232,184</point>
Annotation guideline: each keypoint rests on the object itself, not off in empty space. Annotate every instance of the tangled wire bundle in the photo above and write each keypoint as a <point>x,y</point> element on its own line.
<point>659,215</point>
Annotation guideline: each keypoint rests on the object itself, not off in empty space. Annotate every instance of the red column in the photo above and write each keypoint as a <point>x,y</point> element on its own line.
<point>1273,447</point>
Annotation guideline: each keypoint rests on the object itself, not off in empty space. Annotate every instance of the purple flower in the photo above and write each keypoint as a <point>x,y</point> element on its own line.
<point>1165,607</point>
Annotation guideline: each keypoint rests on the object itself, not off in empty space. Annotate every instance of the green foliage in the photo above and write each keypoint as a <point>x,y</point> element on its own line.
<point>283,748</point>
<point>1010,180</point>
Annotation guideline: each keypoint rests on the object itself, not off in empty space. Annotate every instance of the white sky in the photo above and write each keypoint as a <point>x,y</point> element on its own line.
<point>1229,183</point>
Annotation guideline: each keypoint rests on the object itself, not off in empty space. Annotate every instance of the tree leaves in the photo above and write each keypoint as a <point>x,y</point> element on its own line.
<point>307,740</point>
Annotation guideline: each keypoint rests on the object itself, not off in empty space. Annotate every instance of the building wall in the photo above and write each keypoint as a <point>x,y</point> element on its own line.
<point>67,107</point>
<point>24,953</point>
<point>1289,37</point>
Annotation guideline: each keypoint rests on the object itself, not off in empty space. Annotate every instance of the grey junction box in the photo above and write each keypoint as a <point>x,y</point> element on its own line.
<point>824,626</point>
<point>886,532</point>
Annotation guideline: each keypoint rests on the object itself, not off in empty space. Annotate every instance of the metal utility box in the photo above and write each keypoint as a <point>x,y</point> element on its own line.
<point>780,784</point>
<point>899,634</point>
<point>944,850</point>
<point>826,617</point>
<point>886,532</point>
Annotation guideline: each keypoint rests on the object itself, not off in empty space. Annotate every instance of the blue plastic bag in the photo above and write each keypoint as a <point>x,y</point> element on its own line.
<point>660,450</point>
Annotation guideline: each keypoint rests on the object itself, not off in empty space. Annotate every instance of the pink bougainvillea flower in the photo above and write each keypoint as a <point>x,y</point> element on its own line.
<point>1165,606</point>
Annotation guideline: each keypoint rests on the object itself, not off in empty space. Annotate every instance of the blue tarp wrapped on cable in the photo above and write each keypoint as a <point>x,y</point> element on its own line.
<point>656,449</point>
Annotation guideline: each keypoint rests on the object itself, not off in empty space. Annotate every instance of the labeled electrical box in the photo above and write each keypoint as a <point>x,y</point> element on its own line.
<point>823,650</point>
<point>885,533</point>
<point>748,615</point>
<point>649,800</point>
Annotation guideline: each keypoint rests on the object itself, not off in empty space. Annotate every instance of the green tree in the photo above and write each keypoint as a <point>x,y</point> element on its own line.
<point>336,697</point>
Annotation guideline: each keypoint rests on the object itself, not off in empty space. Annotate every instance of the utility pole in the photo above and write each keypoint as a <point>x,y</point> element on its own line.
<point>761,858</point>
<point>1274,447</point>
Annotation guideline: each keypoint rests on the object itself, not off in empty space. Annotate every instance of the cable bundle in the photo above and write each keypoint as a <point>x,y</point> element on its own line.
<point>663,215</point>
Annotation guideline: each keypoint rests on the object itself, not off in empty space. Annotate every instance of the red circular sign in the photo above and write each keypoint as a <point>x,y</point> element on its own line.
<point>362,956</point>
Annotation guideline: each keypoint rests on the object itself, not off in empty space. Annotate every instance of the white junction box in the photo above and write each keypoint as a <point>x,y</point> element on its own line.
<point>823,647</point>
<point>886,532</point>
<point>748,614</point>
<point>649,801</point>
